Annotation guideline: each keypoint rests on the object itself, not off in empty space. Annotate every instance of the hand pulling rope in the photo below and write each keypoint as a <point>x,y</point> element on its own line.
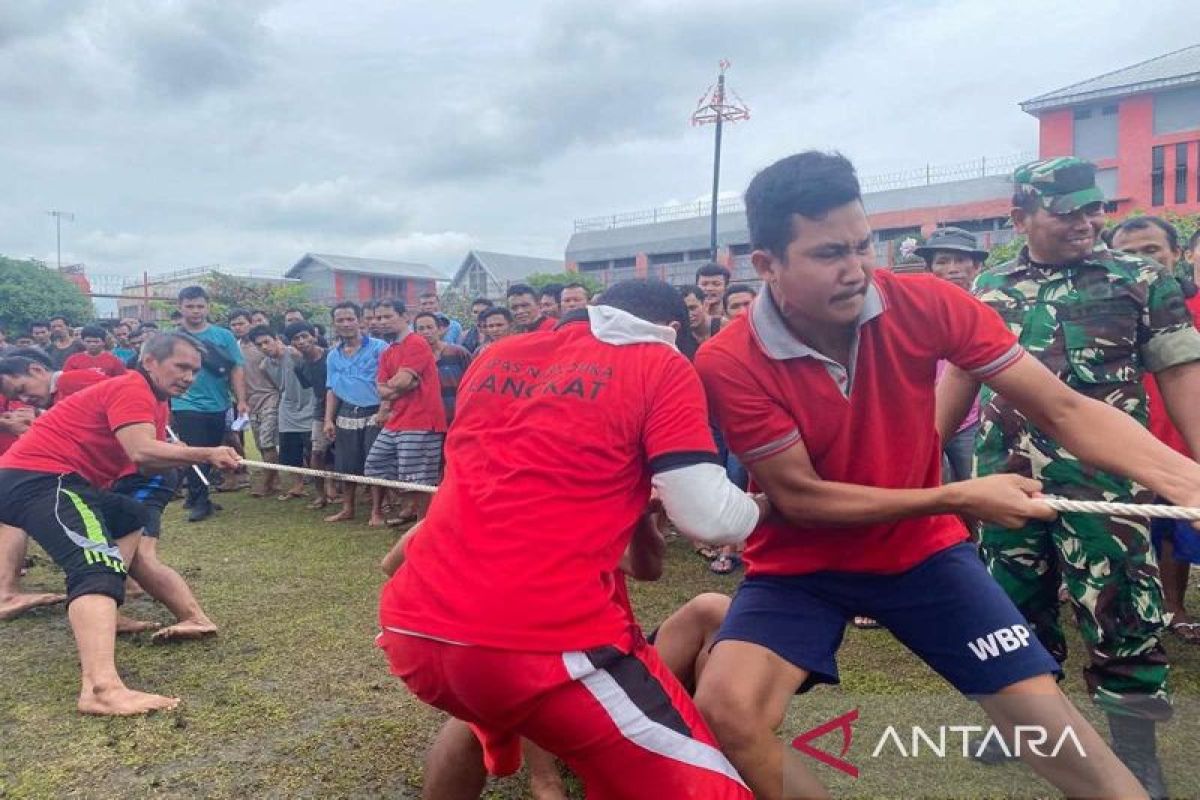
<point>1057,503</point>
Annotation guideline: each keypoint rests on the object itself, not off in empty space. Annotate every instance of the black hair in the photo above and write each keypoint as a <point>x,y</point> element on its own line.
<point>553,290</point>
<point>810,184</point>
<point>257,332</point>
<point>493,311</point>
<point>254,311</point>
<point>712,270</point>
<point>521,288</point>
<point>732,289</point>
<point>369,305</point>
<point>1027,200</point>
<point>193,293</point>
<point>578,286</point>
<point>16,366</point>
<point>650,299</point>
<point>427,293</point>
<point>93,332</point>
<point>395,305</point>
<point>32,354</point>
<point>355,307</point>
<point>294,310</point>
<point>481,301</point>
<point>234,313</point>
<point>1144,222</point>
<point>294,329</point>
<point>64,319</point>
<point>684,293</point>
<point>39,324</point>
<point>429,314</point>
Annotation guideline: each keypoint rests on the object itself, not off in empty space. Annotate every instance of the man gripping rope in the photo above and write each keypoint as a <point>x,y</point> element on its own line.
<point>51,485</point>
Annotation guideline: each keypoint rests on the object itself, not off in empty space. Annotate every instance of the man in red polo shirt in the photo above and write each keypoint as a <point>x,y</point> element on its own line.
<point>825,390</point>
<point>518,628</point>
<point>51,485</point>
<point>94,356</point>
<point>409,448</point>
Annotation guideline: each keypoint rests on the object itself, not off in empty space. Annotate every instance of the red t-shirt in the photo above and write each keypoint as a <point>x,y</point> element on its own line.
<point>105,362</point>
<point>548,469</point>
<point>768,396</point>
<point>68,383</point>
<point>1160,422</point>
<point>420,409</point>
<point>79,434</point>
<point>543,324</point>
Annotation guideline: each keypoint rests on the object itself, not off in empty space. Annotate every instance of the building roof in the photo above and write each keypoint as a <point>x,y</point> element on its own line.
<point>506,268</point>
<point>681,235</point>
<point>1180,68</point>
<point>370,266</point>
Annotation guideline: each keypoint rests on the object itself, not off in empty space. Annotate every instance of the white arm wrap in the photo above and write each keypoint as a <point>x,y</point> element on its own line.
<point>704,505</point>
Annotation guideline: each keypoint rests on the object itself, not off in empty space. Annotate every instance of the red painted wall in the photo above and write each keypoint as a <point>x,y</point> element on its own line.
<point>930,218</point>
<point>339,287</point>
<point>641,263</point>
<point>1135,144</point>
<point>1056,134</point>
<point>364,288</point>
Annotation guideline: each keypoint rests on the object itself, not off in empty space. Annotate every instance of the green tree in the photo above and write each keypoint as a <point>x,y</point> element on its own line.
<point>226,292</point>
<point>539,279</point>
<point>29,291</point>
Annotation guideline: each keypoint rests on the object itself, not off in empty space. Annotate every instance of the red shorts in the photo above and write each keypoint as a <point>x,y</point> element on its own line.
<point>615,715</point>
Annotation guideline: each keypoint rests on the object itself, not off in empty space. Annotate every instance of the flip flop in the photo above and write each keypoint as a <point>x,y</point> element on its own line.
<point>1187,631</point>
<point>725,564</point>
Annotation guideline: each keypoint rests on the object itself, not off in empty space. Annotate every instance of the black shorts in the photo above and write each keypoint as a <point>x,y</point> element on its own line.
<point>152,492</point>
<point>355,435</point>
<point>75,523</point>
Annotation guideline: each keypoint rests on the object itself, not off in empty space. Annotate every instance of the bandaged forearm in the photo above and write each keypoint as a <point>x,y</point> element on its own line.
<point>705,505</point>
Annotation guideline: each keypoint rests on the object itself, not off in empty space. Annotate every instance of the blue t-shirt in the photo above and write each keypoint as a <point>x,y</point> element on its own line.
<point>124,353</point>
<point>210,394</point>
<point>353,379</point>
<point>454,333</point>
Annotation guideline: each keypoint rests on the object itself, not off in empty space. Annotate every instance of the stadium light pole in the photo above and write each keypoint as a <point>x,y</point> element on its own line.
<point>59,216</point>
<point>715,108</point>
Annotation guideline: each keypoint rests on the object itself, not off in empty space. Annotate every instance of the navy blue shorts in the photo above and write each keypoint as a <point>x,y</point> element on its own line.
<point>1185,540</point>
<point>153,492</point>
<point>947,610</point>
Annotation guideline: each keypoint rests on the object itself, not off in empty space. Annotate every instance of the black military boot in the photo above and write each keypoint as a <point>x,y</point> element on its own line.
<point>1135,742</point>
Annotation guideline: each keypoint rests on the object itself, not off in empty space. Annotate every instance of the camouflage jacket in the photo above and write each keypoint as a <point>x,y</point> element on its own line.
<point>1099,326</point>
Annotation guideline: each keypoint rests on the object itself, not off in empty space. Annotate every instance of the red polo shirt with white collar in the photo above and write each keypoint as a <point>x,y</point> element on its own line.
<point>870,422</point>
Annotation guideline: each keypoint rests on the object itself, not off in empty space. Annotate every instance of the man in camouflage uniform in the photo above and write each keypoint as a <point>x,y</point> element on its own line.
<point>1098,319</point>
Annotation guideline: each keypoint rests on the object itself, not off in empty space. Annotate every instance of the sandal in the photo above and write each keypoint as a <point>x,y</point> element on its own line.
<point>725,564</point>
<point>865,623</point>
<point>1187,631</point>
<point>403,519</point>
<point>706,552</point>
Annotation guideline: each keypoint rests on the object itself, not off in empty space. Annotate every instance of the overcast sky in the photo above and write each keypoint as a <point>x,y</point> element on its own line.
<point>247,133</point>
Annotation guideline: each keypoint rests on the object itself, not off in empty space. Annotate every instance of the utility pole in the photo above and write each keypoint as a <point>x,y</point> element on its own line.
<point>59,216</point>
<point>715,109</point>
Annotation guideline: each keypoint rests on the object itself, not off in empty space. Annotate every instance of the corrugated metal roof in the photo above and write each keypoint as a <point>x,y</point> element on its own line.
<point>693,234</point>
<point>507,267</point>
<point>1180,68</point>
<point>371,266</point>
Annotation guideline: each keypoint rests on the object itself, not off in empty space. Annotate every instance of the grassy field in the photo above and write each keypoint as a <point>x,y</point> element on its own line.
<point>293,700</point>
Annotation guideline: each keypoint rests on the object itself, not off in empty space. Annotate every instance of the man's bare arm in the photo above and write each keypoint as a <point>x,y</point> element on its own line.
<point>1098,434</point>
<point>1180,387</point>
<point>145,450</point>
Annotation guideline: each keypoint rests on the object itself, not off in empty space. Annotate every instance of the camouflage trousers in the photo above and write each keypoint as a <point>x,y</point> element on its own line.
<point>1111,577</point>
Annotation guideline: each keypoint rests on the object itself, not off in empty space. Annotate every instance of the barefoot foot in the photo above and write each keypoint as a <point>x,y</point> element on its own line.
<point>185,629</point>
<point>18,604</point>
<point>127,625</point>
<point>123,702</point>
<point>341,516</point>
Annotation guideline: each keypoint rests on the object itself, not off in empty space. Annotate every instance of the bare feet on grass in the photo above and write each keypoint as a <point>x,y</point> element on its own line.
<point>121,701</point>
<point>17,604</point>
<point>127,625</point>
<point>342,516</point>
<point>185,629</point>
<point>377,521</point>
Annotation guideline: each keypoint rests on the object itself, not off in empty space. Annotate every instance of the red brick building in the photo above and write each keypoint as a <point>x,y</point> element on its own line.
<point>331,279</point>
<point>1139,124</point>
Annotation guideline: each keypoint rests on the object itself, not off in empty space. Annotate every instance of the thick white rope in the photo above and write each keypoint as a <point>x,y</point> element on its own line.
<point>1056,503</point>
<point>337,476</point>
<point>1120,509</point>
